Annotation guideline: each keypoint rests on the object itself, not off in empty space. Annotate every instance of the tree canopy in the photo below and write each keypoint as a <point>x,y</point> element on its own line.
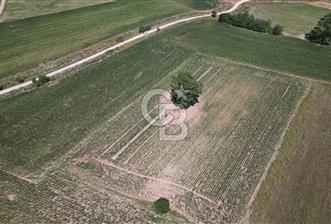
<point>162,205</point>
<point>321,34</point>
<point>185,90</point>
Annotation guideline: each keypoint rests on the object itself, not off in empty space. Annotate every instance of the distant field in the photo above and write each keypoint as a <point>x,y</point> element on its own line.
<point>297,189</point>
<point>18,9</point>
<point>31,42</point>
<point>297,19</point>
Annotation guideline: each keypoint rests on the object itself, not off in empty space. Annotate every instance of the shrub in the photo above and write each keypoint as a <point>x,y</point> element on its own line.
<point>185,90</point>
<point>277,30</point>
<point>214,13</point>
<point>143,29</point>
<point>162,206</point>
<point>1,87</point>
<point>321,34</point>
<point>40,80</point>
<point>19,79</point>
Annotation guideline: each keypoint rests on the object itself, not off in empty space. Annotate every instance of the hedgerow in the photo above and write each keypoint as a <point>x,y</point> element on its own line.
<point>247,21</point>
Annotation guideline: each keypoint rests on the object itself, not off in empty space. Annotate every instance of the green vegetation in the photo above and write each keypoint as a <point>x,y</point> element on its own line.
<point>321,34</point>
<point>30,42</point>
<point>162,206</point>
<point>40,80</point>
<point>297,186</point>
<point>244,20</point>
<point>297,19</point>
<point>185,90</point>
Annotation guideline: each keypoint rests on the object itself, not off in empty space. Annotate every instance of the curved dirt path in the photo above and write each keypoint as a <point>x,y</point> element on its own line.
<point>2,6</point>
<point>137,37</point>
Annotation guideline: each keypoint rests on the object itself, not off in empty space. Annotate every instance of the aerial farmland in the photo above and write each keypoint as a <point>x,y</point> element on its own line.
<point>85,87</point>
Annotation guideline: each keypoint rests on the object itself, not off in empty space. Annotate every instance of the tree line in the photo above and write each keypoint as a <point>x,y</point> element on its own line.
<point>247,21</point>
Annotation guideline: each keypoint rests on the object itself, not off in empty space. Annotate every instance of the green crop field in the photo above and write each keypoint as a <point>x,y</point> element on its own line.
<point>86,129</point>
<point>30,42</point>
<point>19,9</point>
<point>297,19</point>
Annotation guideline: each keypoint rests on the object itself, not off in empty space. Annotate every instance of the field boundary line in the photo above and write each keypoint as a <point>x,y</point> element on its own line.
<point>110,164</point>
<point>274,155</point>
<point>118,45</point>
<point>305,78</point>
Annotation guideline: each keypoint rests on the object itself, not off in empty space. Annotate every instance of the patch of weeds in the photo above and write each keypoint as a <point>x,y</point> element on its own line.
<point>40,80</point>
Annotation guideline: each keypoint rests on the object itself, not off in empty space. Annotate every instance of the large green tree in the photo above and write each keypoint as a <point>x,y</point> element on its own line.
<point>185,90</point>
<point>321,34</point>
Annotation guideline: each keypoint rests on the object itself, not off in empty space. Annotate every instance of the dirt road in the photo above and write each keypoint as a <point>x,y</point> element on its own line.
<point>2,6</point>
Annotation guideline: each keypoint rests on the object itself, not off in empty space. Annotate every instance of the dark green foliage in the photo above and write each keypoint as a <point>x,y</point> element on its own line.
<point>143,29</point>
<point>321,34</point>
<point>162,205</point>
<point>19,79</point>
<point>40,80</point>
<point>185,90</point>
<point>1,87</point>
<point>247,21</point>
<point>214,13</point>
<point>277,30</point>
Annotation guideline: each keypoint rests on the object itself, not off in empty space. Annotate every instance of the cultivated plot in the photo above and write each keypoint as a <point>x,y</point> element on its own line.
<point>233,132</point>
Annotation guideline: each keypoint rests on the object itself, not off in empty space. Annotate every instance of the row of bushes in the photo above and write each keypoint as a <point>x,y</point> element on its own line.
<point>247,21</point>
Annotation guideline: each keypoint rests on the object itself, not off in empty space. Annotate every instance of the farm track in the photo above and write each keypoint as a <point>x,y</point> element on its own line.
<point>131,40</point>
